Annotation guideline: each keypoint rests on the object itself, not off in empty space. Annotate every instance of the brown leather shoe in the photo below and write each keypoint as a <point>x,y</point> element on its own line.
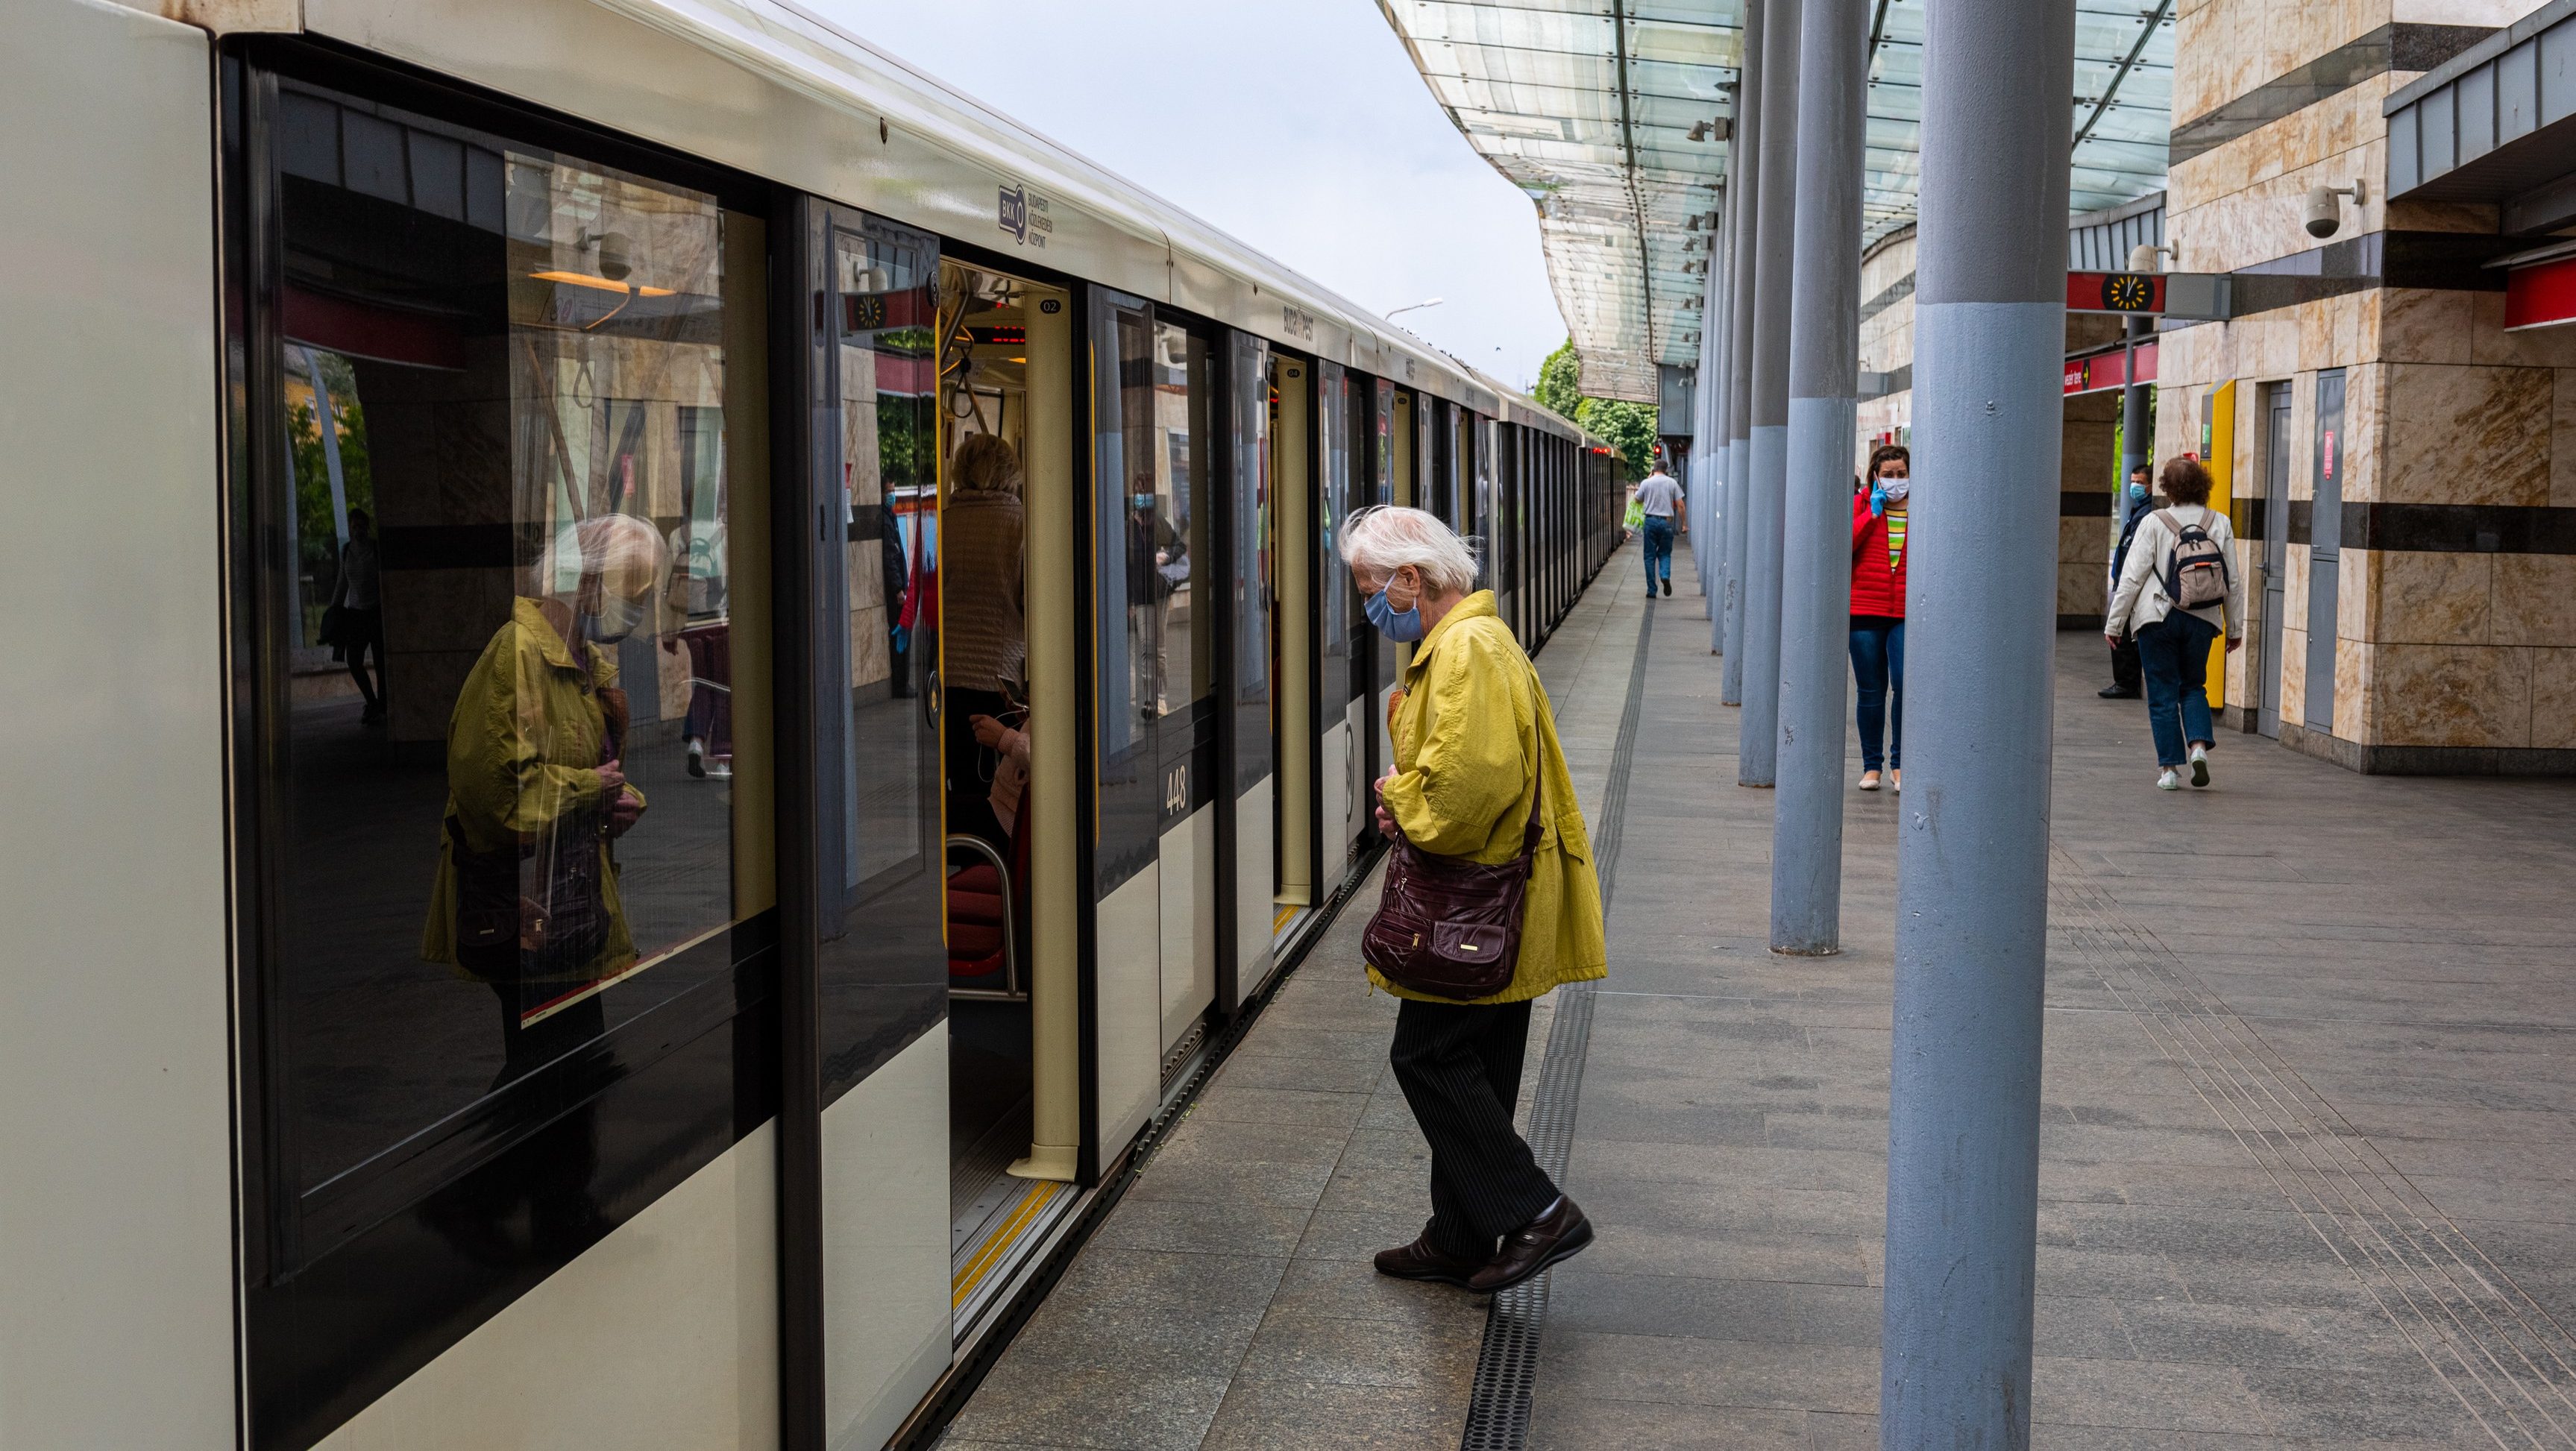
<point>1419,1261</point>
<point>1558,1233</point>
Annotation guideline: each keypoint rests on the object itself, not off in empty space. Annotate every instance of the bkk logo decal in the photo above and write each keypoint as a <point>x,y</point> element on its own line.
<point>1023,214</point>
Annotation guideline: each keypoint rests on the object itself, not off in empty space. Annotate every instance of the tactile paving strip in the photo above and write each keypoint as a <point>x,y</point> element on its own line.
<point>1498,1408</point>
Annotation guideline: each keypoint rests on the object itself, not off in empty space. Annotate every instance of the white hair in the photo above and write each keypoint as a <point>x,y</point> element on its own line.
<point>623,549</point>
<point>1384,538</point>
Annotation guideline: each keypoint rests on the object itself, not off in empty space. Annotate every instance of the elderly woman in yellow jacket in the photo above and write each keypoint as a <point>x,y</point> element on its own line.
<point>526,897</point>
<point>1475,753</point>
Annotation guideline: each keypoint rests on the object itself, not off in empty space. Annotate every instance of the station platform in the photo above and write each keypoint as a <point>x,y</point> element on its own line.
<point>2305,1172</point>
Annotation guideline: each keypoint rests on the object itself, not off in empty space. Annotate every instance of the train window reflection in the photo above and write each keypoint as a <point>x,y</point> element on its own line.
<point>509,813</point>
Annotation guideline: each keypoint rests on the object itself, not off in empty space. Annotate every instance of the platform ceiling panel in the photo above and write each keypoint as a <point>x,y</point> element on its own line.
<point>1589,109</point>
<point>1589,106</point>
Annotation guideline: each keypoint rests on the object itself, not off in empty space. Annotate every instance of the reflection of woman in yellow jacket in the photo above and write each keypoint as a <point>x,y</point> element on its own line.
<point>1475,753</point>
<point>526,895</point>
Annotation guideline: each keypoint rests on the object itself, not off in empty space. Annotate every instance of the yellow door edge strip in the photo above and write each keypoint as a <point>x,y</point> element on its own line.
<point>1039,1195</point>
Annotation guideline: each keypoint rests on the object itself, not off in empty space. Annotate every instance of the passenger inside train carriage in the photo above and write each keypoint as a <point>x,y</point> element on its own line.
<point>986,730</point>
<point>514,361</point>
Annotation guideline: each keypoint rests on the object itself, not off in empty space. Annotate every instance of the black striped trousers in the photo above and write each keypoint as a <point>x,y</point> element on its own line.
<point>1460,1067</point>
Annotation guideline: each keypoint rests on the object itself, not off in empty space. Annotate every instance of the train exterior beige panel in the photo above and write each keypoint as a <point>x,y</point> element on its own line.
<point>1253,908</point>
<point>662,1337</point>
<point>116,1267</point>
<point>885,1246</point>
<point>1130,996</point>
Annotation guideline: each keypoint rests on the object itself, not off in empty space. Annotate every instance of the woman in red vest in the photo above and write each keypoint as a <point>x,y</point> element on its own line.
<point>1878,610</point>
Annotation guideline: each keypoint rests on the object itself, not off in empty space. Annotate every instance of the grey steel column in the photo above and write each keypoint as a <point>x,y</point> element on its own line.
<point>1824,424</point>
<point>1711,422</point>
<point>2137,435</point>
<point>1972,855</point>
<point>1739,371</point>
<point>1757,739</point>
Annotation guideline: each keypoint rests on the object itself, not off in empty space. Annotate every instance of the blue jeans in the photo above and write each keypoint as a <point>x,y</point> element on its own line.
<point>1659,548</point>
<point>1878,657</point>
<point>2174,652</point>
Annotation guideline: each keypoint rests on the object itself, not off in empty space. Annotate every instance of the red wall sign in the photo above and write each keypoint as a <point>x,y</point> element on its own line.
<point>2098,371</point>
<point>2541,295</point>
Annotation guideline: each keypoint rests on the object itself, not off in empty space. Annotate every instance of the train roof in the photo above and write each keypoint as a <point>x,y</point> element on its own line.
<point>770,89</point>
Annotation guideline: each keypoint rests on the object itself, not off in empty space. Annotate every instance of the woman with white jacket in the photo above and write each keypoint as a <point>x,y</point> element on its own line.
<point>2173,643</point>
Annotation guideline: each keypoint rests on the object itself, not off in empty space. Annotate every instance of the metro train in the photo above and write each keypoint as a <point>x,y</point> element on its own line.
<point>666,679</point>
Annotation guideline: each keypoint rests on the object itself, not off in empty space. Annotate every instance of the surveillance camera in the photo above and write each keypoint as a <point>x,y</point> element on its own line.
<point>615,256</point>
<point>2324,214</point>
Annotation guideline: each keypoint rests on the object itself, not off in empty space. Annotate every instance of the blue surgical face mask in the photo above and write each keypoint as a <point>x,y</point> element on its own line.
<point>2137,493</point>
<point>1403,627</point>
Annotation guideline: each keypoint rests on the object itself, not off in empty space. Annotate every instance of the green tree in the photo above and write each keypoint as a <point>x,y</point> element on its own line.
<point>1560,382</point>
<point>1630,427</point>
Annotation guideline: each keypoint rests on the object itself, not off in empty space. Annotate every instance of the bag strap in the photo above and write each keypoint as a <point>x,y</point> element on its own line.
<point>1531,833</point>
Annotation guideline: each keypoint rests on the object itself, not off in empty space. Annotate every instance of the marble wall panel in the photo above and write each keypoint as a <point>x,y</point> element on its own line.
<point>2446,695</point>
<point>2425,325</point>
<point>2460,12</point>
<point>2294,587</point>
<point>2365,433</point>
<point>2471,435</point>
<point>2353,595</point>
<point>2562,440</point>
<point>2412,216</point>
<point>2534,598</point>
<point>2356,714</point>
<point>2425,598</point>
<point>2548,347</point>
<point>2218,228</point>
<point>2294,670</point>
<point>2553,698</point>
<point>2224,48</point>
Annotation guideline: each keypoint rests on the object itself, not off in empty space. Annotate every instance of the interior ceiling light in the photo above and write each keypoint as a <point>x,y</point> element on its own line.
<point>584,279</point>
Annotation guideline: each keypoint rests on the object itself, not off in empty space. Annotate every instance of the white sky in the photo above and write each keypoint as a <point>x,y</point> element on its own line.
<point>1301,129</point>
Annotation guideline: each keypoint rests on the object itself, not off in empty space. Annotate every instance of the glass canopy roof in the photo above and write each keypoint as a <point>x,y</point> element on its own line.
<point>1613,116</point>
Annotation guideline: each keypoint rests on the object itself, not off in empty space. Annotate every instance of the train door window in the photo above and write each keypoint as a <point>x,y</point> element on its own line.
<point>1242,569</point>
<point>510,829</point>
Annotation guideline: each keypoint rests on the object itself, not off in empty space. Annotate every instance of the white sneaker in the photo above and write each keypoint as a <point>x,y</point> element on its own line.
<point>1896,782</point>
<point>2169,781</point>
<point>1869,780</point>
<point>2200,765</point>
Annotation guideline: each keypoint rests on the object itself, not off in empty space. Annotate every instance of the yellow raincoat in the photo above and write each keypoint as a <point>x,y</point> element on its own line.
<point>523,751</point>
<point>1473,735</point>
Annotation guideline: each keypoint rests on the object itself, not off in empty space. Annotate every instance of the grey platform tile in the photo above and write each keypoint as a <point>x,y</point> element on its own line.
<point>1336,1236</point>
<point>1171,1339</point>
<point>1246,1103</point>
<point>1353,1290</point>
<point>1247,1069</point>
<point>1712,1372</point>
<point>1401,1146</point>
<point>1115,1409</point>
<point>1379,1189</point>
<point>1289,1040</point>
<point>1680,1118</point>
<point>1842,1432</point>
<point>2349,1407</point>
<point>1296,1344</point>
<point>1294,1415</point>
<point>1585,1298</point>
<point>1750,1167</point>
<point>1202,1227</point>
<point>1209,1140</point>
<point>2109,1274</point>
<point>2144,1395</point>
<point>1621,1248</point>
<point>1156,1279</point>
<point>1571,1423</point>
<point>2270,1335</point>
<point>1217,1181</point>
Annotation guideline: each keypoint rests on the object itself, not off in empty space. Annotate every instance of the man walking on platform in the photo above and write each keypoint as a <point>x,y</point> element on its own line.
<point>1662,500</point>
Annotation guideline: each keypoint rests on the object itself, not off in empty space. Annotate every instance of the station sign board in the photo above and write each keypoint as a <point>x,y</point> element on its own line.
<point>2094,372</point>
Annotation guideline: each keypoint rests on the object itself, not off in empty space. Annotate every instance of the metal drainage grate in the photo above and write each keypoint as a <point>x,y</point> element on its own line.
<point>1498,1408</point>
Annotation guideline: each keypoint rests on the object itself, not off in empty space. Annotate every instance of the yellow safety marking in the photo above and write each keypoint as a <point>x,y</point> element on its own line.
<point>965,1281</point>
<point>1280,918</point>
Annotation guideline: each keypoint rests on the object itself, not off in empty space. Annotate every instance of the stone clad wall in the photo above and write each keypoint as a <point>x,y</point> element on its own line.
<point>2448,656</point>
